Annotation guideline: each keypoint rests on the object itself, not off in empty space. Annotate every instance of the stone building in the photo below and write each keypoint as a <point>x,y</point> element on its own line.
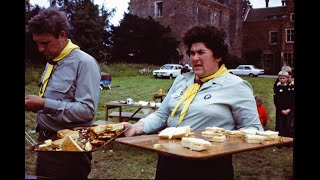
<point>181,15</point>
<point>270,31</point>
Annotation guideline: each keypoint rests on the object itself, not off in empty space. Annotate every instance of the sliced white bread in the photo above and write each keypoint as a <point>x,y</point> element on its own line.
<point>253,138</point>
<point>195,144</point>
<point>175,132</point>
<point>70,145</point>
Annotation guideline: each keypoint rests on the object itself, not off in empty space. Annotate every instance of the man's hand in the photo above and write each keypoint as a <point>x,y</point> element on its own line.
<point>33,103</point>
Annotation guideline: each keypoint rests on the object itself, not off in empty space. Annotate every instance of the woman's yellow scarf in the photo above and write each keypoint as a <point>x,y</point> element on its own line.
<point>191,92</point>
<point>69,47</point>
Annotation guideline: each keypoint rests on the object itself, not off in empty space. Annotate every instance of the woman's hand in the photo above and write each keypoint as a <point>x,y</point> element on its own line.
<point>133,129</point>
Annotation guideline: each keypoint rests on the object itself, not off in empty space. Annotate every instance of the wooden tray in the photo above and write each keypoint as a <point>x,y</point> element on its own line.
<point>173,146</point>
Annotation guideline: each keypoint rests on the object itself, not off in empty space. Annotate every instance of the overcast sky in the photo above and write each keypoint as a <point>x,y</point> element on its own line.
<point>121,6</point>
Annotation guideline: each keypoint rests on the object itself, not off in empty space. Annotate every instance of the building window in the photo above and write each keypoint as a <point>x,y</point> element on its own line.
<point>273,37</point>
<point>290,35</point>
<point>158,9</point>
<point>292,17</point>
<point>267,60</point>
<point>288,59</point>
<point>214,19</point>
<point>278,16</point>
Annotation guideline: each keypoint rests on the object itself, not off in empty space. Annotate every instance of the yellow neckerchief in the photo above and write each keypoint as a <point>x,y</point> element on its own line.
<point>69,47</point>
<point>191,92</point>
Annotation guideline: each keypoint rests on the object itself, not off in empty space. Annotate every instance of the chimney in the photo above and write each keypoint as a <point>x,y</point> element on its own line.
<point>267,3</point>
<point>284,2</point>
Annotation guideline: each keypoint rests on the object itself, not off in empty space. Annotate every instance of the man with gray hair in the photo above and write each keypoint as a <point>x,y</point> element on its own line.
<point>68,94</point>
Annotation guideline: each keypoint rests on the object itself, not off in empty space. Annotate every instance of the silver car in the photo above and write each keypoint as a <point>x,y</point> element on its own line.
<point>168,70</point>
<point>247,70</point>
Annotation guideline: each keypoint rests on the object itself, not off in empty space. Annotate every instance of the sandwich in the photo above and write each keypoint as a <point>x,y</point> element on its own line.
<point>268,133</point>
<point>270,136</point>
<point>175,132</point>
<point>70,145</point>
<point>233,133</point>
<point>253,138</point>
<point>195,144</point>
<point>244,132</point>
<point>215,134</point>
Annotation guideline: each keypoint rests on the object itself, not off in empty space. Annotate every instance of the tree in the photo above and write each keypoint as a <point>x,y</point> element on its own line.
<point>143,40</point>
<point>90,27</point>
<point>32,55</point>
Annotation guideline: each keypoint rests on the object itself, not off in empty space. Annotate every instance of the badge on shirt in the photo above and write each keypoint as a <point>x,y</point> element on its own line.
<point>208,96</point>
<point>178,93</point>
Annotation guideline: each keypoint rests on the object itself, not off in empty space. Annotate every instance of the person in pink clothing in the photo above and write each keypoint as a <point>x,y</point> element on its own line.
<point>263,114</point>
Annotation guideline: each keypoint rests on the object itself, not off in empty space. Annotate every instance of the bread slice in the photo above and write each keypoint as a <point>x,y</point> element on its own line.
<point>216,138</point>
<point>253,138</point>
<point>99,129</point>
<point>57,143</point>
<point>167,132</point>
<point>233,133</point>
<point>67,132</point>
<point>215,129</point>
<point>43,147</point>
<point>195,144</point>
<point>248,131</point>
<point>211,133</point>
<point>175,132</point>
<point>70,145</point>
<point>180,132</point>
<point>88,146</point>
<point>107,127</point>
<point>115,127</point>
<point>268,133</point>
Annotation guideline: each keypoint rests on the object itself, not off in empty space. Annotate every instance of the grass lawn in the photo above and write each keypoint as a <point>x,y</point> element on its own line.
<point>119,161</point>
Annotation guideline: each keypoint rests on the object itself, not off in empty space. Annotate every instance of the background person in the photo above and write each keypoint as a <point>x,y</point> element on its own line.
<point>262,111</point>
<point>292,94</point>
<point>282,103</point>
<point>201,99</point>
<point>68,95</point>
<point>283,68</point>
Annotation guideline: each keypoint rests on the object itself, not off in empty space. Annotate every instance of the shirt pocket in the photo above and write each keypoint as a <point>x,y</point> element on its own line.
<point>59,90</point>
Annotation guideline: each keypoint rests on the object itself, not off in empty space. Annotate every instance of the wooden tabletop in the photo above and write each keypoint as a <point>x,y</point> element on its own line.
<point>173,146</point>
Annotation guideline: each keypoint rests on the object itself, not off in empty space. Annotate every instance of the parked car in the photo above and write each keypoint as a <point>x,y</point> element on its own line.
<point>168,70</point>
<point>247,70</point>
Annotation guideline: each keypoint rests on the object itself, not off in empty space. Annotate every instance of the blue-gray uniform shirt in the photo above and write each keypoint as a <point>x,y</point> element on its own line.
<point>226,102</point>
<point>72,93</point>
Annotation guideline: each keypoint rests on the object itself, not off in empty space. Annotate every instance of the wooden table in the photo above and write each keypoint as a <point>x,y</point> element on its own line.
<point>159,96</point>
<point>120,105</point>
<point>173,146</point>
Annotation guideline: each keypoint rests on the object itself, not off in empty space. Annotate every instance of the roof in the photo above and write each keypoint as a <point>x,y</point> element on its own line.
<point>266,13</point>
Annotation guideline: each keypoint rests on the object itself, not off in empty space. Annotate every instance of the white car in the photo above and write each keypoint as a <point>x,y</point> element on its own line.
<point>247,70</point>
<point>168,70</point>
